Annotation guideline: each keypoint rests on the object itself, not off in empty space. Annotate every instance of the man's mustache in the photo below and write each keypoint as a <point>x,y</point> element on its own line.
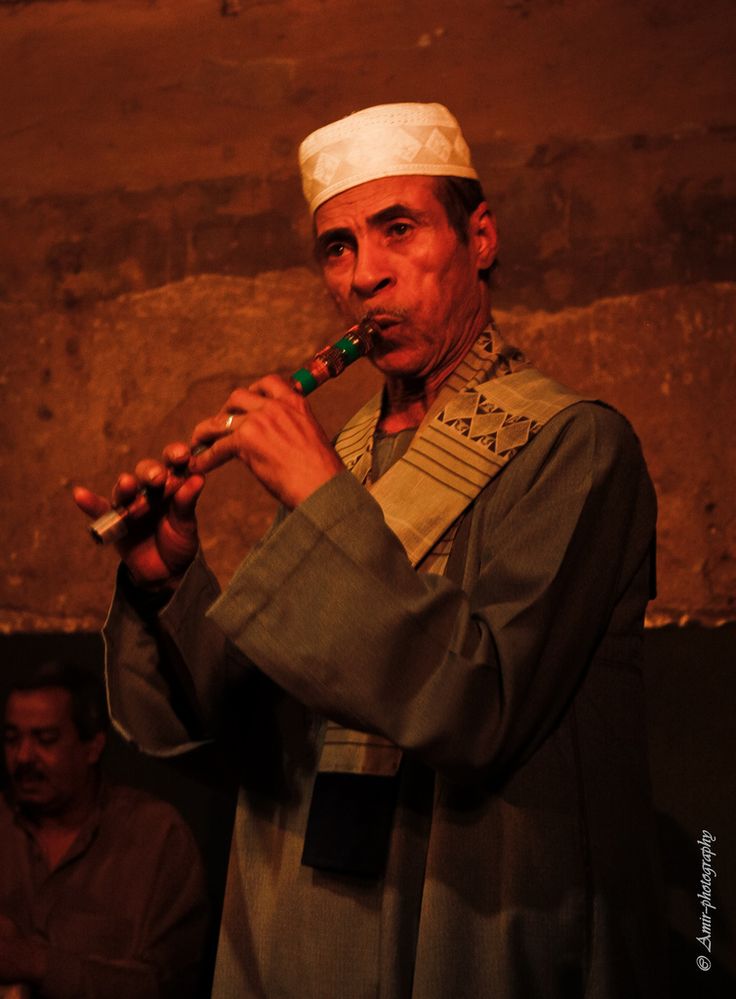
<point>396,313</point>
<point>27,771</point>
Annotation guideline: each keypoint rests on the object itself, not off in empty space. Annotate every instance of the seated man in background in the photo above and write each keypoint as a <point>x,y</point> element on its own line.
<point>101,888</point>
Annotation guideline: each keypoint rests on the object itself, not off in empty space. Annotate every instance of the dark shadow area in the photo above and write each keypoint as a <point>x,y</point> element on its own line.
<point>691,690</point>
<point>197,784</point>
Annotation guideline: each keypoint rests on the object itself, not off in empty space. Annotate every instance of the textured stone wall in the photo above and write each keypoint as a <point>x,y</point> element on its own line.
<point>154,251</point>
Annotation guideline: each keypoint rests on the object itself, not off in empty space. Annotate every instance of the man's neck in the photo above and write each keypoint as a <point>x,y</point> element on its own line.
<point>406,401</point>
<point>70,817</point>
<point>56,832</point>
<point>405,404</point>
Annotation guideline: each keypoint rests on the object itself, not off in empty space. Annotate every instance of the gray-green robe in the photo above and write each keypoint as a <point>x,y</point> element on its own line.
<point>522,861</point>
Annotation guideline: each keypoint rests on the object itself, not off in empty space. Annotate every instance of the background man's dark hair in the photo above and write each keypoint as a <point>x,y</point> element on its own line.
<point>87,693</point>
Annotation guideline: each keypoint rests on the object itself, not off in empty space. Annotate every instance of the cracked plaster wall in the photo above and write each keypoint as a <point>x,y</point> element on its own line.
<point>154,250</point>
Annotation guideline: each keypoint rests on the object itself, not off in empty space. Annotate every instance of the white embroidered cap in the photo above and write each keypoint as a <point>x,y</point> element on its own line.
<point>388,140</point>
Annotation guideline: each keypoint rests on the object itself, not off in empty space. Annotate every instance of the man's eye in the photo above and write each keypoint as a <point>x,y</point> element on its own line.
<point>336,250</point>
<point>399,229</point>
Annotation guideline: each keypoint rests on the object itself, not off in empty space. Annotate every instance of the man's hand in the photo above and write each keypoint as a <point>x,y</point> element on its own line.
<point>21,959</point>
<point>272,430</point>
<point>162,537</point>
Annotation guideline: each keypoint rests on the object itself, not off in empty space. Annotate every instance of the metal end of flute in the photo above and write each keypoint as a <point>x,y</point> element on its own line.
<point>108,528</point>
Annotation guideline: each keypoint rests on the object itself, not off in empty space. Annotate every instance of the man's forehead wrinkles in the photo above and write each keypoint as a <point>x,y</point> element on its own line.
<point>336,232</point>
<point>397,210</point>
<point>374,220</point>
<point>357,205</point>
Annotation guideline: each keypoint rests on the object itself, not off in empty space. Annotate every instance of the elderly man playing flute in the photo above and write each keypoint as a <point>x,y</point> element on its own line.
<point>429,668</point>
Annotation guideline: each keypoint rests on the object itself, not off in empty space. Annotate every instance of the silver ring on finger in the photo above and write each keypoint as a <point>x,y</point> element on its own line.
<point>229,421</point>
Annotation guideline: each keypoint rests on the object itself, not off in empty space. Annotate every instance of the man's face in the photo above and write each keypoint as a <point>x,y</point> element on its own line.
<point>388,251</point>
<point>50,767</point>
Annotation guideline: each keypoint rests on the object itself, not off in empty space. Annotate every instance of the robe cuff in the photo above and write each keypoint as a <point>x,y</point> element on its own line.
<point>198,587</point>
<point>139,696</point>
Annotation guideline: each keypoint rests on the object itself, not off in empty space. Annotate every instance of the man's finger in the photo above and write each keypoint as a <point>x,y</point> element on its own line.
<point>215,455</point>
<point>242,400</point>
<point>274,387</point>
<point>151,473</point>
<point>125,489</point>
<point>176,455</point>
<point>184,500</point>
<point>214,428</point>
<point>89,502</point>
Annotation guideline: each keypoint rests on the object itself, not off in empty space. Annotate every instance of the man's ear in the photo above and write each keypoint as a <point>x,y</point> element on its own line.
<point>482,236</point>
<point>95,746</point>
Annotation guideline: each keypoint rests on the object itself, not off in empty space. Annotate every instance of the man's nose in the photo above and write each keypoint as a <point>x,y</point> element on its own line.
<point>25,750</point>
<point>372,272</point>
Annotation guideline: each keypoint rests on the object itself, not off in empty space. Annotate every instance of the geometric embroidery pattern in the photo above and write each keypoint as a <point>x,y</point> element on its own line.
<point>460,149</point>
<point>407,147</point>
<point>439,145</point>
<point>325,168</point>
<point>473,416</point>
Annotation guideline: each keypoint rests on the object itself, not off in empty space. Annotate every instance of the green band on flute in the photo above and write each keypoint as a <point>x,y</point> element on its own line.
<point>306,379</point>
<point>352,349</point>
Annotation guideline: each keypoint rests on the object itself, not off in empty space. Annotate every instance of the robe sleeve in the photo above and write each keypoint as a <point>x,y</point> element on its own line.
<point>330,608</point>
<point>167,667</point>
<point>161,698</point>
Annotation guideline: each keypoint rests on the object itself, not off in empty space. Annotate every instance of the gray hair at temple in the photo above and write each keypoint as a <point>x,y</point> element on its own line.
<point>85,689</point>
<point>459,196</point>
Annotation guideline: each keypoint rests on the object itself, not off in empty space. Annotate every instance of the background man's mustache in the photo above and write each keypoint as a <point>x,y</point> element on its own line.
<point>25,771</point>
